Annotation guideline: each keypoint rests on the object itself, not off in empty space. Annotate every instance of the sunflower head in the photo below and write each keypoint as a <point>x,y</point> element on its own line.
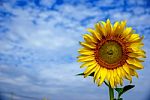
<point>111,52</point>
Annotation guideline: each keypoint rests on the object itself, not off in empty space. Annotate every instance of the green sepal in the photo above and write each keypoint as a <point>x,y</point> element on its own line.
<point>82,74</point>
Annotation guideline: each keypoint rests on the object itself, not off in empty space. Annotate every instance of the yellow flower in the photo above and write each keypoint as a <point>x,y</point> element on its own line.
<point>112,53</point>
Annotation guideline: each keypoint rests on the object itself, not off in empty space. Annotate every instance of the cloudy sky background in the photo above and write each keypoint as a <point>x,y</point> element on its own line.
<point>39,43</point>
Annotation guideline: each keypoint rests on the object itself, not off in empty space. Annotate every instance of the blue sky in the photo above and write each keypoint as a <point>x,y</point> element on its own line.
<point>39,43</point>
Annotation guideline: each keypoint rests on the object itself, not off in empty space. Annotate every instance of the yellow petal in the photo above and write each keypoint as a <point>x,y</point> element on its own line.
<point>139,60</point>
<point>126,68</point>
<point>98,75</point>
<point>112,80</point>
<point>86,64</point>
<point>98,31</point>
<point>128,77</point>
<point>134,63</point>
<point>122,25</point>
<point>117,79</point>
<point>139,39</point>
<point>133,73</point>
<point>115,83</point>
<point>134,67</point>
<point>120,28</point>
<point>86,53</point>
<point>115,26</point>
<point>87,45</point>
<point>89,38</point>
<point>108,75</point>
<point>96,72</point>
<point>108,26</point>
<point>90,70</point>
<point>121,82</point>
<point>103,28</point>
<point>115,73</point>
<point>116,29</point>
<point>136,74</point>
<point>119,72</point>
<point>123,73</point>
<point>134,37</point>
<point>126,32</point>
<point>103,23</point>
<point>94,33</point>
<point>103,75</point>
<point>136,46</point>
<point>83,50</point>
<point>137,54</point>
<point>85,58</point>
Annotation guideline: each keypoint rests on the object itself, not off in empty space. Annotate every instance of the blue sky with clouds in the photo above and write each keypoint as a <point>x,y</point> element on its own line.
<point>39,43</point>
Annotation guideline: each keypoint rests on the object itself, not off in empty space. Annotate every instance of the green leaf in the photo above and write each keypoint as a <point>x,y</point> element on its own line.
<point>119,90</point>
<point>82,74</point>
<point>125,89</point>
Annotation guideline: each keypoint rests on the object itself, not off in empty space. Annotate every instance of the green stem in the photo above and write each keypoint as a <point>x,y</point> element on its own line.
<point>111,93</point>
<point>106,83</point>
<point>118,96</point>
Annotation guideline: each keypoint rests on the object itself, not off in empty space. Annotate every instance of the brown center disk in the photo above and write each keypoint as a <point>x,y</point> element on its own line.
<point>111,53</point>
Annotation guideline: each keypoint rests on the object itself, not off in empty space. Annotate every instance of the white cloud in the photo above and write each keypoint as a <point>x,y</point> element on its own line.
<point>138,10</point>
<point>137,2</point>
<point>48,3</point>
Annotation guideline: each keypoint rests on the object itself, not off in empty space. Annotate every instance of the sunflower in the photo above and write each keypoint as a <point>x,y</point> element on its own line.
<point>111,53</point>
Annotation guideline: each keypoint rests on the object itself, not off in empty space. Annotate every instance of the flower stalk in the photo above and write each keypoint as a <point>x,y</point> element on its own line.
<point>111,93</point>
